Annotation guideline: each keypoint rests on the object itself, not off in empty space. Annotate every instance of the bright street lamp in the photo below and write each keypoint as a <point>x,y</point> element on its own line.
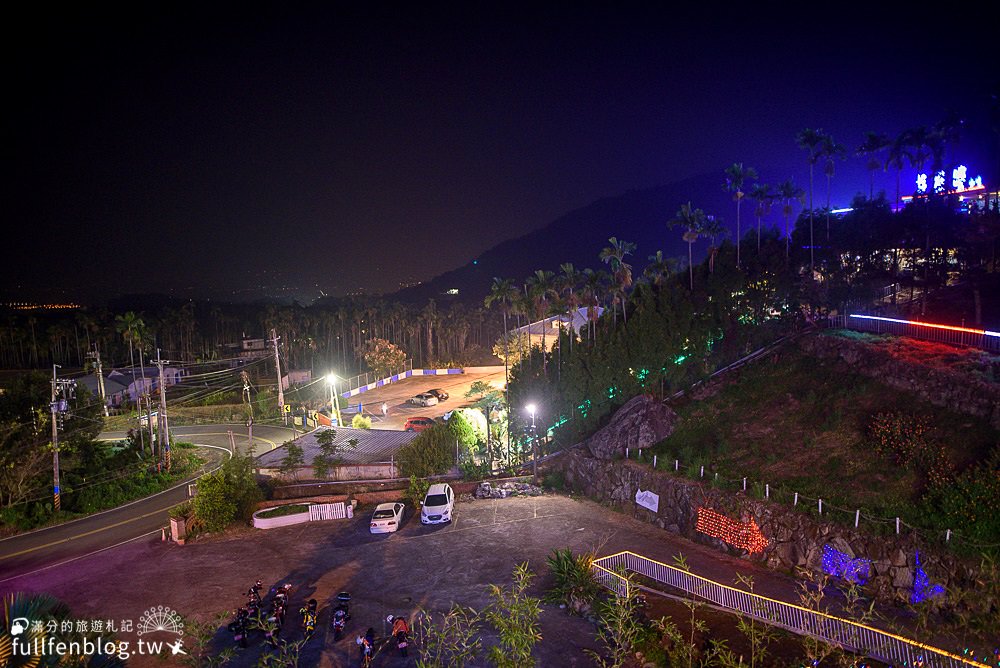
<point>331,380</point>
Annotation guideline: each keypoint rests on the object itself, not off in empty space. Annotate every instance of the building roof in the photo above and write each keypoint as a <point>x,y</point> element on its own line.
<point>111,385</point>
<point>551,325</point>
<point>374,445</point>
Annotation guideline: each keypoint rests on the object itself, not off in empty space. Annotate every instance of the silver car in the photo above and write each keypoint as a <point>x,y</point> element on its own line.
<point>424,399</point>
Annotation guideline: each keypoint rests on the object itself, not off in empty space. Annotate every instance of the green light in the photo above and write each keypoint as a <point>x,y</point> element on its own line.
<point>612,391</point>
<point>584,408</point>
<point>680,358</point>
<point>641,375</point>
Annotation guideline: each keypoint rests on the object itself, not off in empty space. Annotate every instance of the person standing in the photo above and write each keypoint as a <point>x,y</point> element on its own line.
<point>385,409</point>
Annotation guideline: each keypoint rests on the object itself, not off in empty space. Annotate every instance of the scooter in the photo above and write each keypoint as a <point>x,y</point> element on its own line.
<point>400,633</point>
<point>240,626</point>
<point>341,614</point>
<point>308,619</point>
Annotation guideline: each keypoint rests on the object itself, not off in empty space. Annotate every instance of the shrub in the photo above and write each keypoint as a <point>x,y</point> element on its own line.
<point>902,437</point>
<point>417,490</point>
<point>227,495</point>
<point>281,511</point>
<point>574,581</point>
<point>430,453</point>
<point>359,421</point>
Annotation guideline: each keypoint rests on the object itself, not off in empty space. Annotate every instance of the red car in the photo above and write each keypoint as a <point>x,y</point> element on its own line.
<point>418,424</point>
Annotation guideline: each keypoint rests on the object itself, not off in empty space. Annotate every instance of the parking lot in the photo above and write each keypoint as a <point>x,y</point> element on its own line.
<point>418,567</point>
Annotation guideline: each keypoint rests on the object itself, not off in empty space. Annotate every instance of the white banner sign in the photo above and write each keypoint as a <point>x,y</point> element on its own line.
<point>648,499</point>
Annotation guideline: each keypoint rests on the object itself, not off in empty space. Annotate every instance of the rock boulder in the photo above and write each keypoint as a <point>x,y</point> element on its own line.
<point>640,423</point>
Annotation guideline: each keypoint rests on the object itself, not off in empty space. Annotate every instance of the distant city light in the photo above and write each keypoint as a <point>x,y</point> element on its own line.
<point>844,210</point>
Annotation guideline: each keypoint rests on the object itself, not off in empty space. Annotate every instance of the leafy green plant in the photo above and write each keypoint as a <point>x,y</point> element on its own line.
<point>759,634</point>
<point>574,581</point>
<point>514,615</point>
<point>360,421</point>
<point>282,511</point>
<point>293,460</point>
<point>431,452</point>
<point>229,494</point>
<point>417,490</point>
<point>619,629</point>
<point>451,643</point>
<point>689,651</point>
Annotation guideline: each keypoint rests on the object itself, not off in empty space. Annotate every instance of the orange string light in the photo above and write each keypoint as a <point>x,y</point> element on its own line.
<point>742,535</point>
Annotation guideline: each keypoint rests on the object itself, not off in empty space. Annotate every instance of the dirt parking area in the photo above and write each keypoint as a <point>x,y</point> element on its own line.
<point>419,567</point>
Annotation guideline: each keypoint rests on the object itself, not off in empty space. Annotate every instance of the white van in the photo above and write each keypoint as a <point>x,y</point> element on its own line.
<point>438,504</point>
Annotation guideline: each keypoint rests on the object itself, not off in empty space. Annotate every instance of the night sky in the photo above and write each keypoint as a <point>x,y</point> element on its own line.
<point>284,151</point>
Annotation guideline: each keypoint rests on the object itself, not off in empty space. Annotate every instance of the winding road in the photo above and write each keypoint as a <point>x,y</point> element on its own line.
<point>44,548</point>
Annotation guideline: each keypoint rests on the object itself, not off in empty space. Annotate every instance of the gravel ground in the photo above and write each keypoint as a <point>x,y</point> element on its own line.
<point>417,567</point>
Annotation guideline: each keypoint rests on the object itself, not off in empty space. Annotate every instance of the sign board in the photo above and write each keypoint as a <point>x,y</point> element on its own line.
<point>287,408</point>
<point>647,499</point>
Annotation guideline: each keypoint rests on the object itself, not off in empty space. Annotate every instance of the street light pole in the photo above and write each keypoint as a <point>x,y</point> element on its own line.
<point>534,444</point>
<point>334,399</point>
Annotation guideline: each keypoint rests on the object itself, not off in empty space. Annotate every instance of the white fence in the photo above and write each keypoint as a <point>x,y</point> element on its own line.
<point>327,511</point>
<point>852,636</point>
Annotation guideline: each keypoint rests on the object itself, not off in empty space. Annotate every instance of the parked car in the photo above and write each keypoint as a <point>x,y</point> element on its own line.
<point>387,517</point>
<point>424,399</point>
<point>418,423</point>
<point>438,504</point>
<point>439,393</point>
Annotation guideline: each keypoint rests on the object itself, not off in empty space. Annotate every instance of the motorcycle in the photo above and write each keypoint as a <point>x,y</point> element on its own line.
<point>400,633</point>
<point>240,626</point>
<point>308,613</point>
<point>341,614</point>
<point>253,595</point>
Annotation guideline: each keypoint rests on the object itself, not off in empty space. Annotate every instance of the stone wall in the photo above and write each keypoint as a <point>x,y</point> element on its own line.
<point>795,539</point>
<point>960,392</point>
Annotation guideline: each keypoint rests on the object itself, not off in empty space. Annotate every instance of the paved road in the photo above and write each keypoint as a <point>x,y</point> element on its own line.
<point>41,549</point>
<point>396,396</point>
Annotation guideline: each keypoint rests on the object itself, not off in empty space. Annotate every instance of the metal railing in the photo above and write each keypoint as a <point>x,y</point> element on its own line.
<point>852,636</point>
<point>363,379</point>
<point>963,336</point>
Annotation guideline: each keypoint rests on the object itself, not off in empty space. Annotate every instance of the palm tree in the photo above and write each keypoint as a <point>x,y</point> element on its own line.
<point>832,151</point>
<point>566,284</point>
<point>540,287</point>
<point>761,194</point>
<point>659,268</point>
<point>502,292</point>
<point>693,221</point>
<point>736,176</point>
<point>593,290</point>
<point>712,228</point>
<point>871,148</point>
<point>811,141</point>
<point>129,326</point>
<point>788,192</point>
<point>899,154</point>
<point>621,272</point>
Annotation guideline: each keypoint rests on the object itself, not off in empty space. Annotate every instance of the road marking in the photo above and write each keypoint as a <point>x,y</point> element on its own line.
<point>88,533</point>
<point>125,505</point>
<point>45,568</point>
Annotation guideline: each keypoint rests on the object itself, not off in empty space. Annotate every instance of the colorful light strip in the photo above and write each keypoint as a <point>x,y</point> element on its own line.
<point>840,565</point>
<point>742,535</point>
<point>968,330</point>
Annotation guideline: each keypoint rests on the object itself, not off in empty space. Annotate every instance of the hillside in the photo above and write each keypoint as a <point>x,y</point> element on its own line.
<point>822,428</point>
<point>639,216</point>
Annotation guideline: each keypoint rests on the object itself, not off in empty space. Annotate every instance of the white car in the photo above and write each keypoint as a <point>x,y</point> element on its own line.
<point>425,399</point>
<point>438,504</point>
<point>387,517</point>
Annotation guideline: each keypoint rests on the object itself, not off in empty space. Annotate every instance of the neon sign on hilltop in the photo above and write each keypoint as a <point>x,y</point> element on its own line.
<point>960,181</point>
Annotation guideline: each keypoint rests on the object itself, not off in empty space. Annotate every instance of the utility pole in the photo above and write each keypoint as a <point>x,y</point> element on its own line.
<point>246,396</point>
<point>61,388</point>
<point>277,368</point>
<point>162,420</point>
<point>96,356</point>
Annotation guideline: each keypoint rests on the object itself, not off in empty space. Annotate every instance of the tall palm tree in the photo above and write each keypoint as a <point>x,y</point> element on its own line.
<point>788,193</point>
<point>871,148</point>
<point>540,287</point>
<point>502,292</point>
<point>621,271</point>
<point>593,290</point>
<point>762,196</point>
<point>832,151</point>
<point>811,141</point>
<point>736,177</point>
<point>659,268</point>
<point>897,157</point>
<point>129,326</point>
<point>713,228</point>
<point>566,284</point>
<point>693,221</point>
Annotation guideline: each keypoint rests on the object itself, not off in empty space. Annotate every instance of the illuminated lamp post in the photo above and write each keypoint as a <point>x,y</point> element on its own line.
<point>331,380</point>
<point>531,408</point>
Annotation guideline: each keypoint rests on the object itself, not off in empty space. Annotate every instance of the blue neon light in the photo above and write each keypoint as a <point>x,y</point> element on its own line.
<point>922,587</point>
<point>838,564</point>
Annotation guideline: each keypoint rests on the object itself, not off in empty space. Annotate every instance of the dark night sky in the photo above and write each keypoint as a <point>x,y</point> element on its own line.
<point>208,153</point>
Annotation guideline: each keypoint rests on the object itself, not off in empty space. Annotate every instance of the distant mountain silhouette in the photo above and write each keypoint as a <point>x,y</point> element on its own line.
<point>639,216</point>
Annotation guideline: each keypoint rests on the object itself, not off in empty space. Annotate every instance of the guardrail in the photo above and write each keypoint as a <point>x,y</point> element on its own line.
<point>855,637</point>
<point>963,336</point>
